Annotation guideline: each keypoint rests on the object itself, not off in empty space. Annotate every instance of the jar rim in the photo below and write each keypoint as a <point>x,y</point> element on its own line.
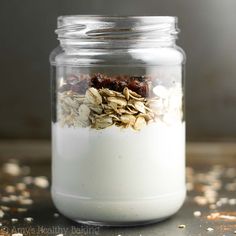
<point>119,17</point>
<point>94,28</point>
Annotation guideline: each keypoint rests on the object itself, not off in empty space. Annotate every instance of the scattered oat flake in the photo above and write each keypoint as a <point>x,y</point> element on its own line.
<point>189,186</point>
<point>22,209</point>
<point>1,213</point>
<point>210,229</point>
<point>182,226</point>
<point>213,216</point>
<point>13,198</point>
<point>227,216</point>
<point>17,234</point>
<point>41,182</point>
<point>10,189</point>
<point>28,219</point>
<point>25,194</point>
<point>200,200</point>
<point>5,208</point>
<point>12,169</point>
<point>14,220</point>
<point>59,234</point>
<point>20,186</point>
<point>26,201</point>
<point>197,213</point>
<point>5,199</point>
<point>56,215</point>
<point>232,201</point>
<point>223,200</point>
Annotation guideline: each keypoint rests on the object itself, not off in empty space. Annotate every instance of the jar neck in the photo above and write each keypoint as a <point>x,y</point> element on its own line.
<point>104,32</point>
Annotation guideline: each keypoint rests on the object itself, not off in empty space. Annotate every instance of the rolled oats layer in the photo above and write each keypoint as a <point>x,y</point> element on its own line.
<point>100,101</point>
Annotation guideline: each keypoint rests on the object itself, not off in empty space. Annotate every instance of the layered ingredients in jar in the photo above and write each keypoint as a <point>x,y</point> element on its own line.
<point>118,148</point>
<point>99,101</point>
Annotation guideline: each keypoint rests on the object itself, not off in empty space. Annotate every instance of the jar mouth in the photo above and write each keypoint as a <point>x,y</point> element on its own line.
<point>82,29</point>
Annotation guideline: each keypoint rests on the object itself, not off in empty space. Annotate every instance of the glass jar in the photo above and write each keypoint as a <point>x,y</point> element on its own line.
<point>118,129</point>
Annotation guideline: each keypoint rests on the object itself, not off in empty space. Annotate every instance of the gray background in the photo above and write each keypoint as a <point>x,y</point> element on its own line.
<point>208,37</point>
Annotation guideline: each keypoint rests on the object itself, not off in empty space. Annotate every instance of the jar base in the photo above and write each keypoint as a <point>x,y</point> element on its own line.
<point>115,212</point>
<point>119,224</point>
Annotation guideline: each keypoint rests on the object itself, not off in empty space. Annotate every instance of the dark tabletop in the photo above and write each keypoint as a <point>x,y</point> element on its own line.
<point>209,209</point>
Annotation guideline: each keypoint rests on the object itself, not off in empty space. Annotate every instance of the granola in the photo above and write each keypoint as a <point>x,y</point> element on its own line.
<point>99,106</point>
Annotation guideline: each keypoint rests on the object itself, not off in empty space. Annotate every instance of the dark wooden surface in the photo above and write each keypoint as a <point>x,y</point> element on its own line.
<point>209,165</point>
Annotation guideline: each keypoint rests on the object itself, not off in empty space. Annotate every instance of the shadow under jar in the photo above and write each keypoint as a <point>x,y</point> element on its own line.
<point>118,130</point>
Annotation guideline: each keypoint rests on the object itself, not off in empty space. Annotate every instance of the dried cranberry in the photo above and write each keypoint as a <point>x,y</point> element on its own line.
<point>106,83</point>
<point>140,88</point>
<point>133,85</point>
<point>138,84</point>
<point>138,78</point>
<point>144,90</point>
<point>96,81</point>
<point>114,85</point>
